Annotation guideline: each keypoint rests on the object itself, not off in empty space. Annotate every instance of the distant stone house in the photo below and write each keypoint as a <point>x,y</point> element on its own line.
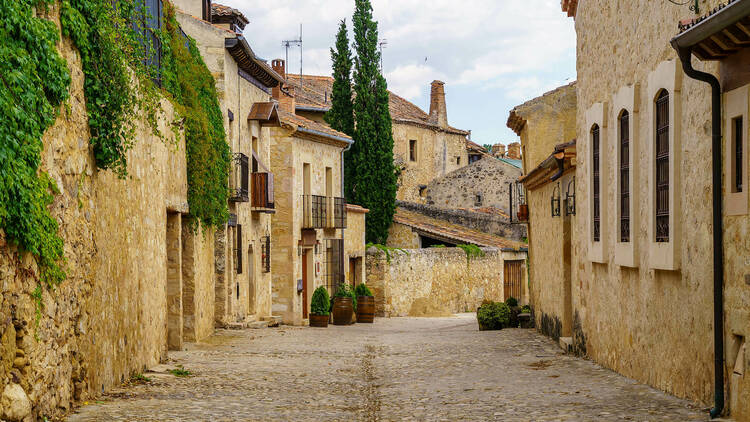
<point>243,271</point>
<point>425,146</point>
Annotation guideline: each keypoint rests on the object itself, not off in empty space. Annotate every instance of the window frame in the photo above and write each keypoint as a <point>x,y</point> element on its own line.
<point>736,106</point>
<point>628,99</point>
<point>413,151</point>
<point>596,116</point>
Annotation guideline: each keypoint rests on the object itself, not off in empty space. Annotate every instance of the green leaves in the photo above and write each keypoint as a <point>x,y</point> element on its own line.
<point>341,114</point>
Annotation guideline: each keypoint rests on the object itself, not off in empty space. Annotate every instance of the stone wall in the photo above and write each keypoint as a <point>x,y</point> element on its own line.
<point>636,316</point>
<point>483,183</point>
<point>438,153</point>
<point>482,221</point>
<point>354,245</point>
<point>435,281</point>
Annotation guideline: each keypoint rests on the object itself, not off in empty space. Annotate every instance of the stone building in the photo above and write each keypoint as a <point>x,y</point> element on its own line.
<point>481,184</point>
<point>654,196</point>
<point>424,145</point>
<point>308,228</point>
<point>139,280</point>
<point>243,270</point>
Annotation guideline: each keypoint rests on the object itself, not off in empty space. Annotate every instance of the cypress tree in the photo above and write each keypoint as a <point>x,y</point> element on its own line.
<point>372,180</point>
<point>341,114</point>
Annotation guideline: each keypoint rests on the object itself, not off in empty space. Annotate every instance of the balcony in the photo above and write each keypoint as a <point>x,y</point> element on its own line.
<point>263,200</point>
<point>239,179</point>
<point>323,212</point>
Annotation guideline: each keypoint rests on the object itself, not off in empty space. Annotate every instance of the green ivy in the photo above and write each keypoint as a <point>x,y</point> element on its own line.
<point>35,81</point>
<point>192,86</point>
<point>472,252</point>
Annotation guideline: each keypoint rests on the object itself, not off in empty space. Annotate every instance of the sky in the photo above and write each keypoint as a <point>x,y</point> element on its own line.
<point>492,54</point>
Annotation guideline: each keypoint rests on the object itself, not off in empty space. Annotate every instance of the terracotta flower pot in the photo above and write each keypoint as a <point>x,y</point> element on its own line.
<point>365,309</point>
<point>320,321</point>
<point>343,310</point>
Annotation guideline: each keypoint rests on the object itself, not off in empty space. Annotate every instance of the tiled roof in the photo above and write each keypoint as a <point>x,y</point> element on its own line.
<point>686,24</point>
<point>719,33</point>
<point>221,10</point>
<point>452,232</point>
<point>315,92</point>
<point>323,129</point>
<point>476,148</point>
<point>542,174</point>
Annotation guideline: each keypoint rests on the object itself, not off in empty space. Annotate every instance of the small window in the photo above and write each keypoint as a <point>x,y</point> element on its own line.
<point>624,176</point>
<point>478,199</point>
<point>413,150</point>
<point>423,191</point>
<point>737,175</point>
<point>662,167</point>
<point>207,10</point>
<point>238,248</point>
<point>597,188</point>
<point>458,161</point>
<point>255,154</point>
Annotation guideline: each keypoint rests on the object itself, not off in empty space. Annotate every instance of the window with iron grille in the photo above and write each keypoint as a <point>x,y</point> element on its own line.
<point>315,211</point>
<point>147,24</point>
<point>597,188</point>
<point>238,248</point>
<point>240,186</point>
<point>737,159</point>
<point>662,167</point>
<point>413,150</point>
<point>339,213</point>
<point>624,176</point>
<point>265,257</point>
<point>333,263</point>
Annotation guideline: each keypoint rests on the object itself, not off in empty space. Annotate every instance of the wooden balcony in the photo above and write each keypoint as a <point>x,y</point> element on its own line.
<point>262,193</point>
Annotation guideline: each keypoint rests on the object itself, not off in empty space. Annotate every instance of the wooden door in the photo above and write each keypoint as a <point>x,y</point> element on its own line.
<point>513,276</point>
<point>304,283</point>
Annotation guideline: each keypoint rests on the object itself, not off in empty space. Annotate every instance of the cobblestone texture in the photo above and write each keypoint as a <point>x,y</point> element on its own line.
<point>433,369</point>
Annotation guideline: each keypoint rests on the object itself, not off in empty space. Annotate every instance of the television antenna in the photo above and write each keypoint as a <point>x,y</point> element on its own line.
<point>295,43</point>
<point>382,43</point>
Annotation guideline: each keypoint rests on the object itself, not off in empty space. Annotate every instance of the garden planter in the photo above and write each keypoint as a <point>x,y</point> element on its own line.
<point>319,321</point>
<point>343,309</point>
<point>365,309</point>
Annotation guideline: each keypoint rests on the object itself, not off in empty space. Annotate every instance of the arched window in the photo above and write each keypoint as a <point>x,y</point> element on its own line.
<point>624,176</point>
<point>662,166</point>
<point>597,185</point>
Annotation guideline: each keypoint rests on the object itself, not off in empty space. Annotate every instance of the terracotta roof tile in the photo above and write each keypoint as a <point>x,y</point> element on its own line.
<point>299,121</point>
<point>221,10</point>
<point>456,233</point>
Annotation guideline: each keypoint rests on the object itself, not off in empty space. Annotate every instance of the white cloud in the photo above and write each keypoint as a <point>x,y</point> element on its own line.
<point>410,81</point>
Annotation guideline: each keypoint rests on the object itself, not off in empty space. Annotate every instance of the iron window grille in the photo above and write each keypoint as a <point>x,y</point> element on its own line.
<point>516,199</point>
<point>662,167</point>
<point>333,263</point>
<point>232,221</point>
<point>265,256</point>
<point>737,127</point>
<point>570,199</point>
<point>597,182</point>
<point>624,177</point>
<point>147,25</point>
<point>315,211</point>
<point>239,189</point>
<point>555,200</point>
<point>238,248</point>
<point>339,213</point>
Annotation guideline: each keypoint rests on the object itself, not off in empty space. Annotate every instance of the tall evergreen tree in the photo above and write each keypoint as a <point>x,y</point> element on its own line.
<point>372,180</point>
<point>341,114</point>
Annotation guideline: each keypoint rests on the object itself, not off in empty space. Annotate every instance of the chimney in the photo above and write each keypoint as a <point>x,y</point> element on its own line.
<point>498,150</point>
<point>514,151</point>
<point>438,111</point>
<point>287,102</point>
<point>278,66</point>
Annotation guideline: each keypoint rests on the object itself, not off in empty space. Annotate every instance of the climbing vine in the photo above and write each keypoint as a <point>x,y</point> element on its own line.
<point>187,79</point>
<point>471,251</point>
<point>34,82</point>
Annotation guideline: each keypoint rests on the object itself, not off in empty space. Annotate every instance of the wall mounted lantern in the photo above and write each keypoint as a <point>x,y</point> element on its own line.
<point>555,201</point>
<point>570,198</point>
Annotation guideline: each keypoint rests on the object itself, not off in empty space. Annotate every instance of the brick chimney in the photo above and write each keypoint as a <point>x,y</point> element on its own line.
<point>438,110</point>
<point>498,150</point>
<point>278,66</point>
<point>514,151</point>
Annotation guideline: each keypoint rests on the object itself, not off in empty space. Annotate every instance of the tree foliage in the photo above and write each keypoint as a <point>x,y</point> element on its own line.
<point>372,179</point>
<point>341,114</point>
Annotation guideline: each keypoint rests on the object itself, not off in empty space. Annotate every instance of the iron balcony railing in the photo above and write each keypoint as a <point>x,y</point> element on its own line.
<point>239,181</point>
<point>339,213</point>
<point>314,211</point>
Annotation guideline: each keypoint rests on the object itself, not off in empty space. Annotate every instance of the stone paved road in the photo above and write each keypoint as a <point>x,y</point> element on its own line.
<point>421,369</point>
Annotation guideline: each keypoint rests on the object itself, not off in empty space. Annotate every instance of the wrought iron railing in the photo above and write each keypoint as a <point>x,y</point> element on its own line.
<point>239,180</point>
<point>339,213</point>
<point>265,257</point>
<point>314,212</point>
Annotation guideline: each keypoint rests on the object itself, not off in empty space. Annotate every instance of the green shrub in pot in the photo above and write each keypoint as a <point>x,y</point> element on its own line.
<point>362,291</point>
<point>321,302</point>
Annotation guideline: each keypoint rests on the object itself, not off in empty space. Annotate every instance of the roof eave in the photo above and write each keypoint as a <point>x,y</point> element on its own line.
<point>711,25</point>
<point>247,60</point>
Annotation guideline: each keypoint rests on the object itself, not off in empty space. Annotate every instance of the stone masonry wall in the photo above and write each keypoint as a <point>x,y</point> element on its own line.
<point>435,280</point>
<point>653,325</point>
<point>487,178</point>
<point>484,222</point>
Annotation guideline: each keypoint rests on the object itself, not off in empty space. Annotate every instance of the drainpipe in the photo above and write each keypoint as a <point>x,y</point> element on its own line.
<point>687,66</point>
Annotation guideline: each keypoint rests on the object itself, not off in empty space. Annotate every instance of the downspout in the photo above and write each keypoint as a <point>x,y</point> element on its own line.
<point>718,242</point>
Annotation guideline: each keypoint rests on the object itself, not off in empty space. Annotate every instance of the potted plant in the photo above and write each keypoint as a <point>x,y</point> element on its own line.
<point>493,316</point>
<point>514,311</point>
<point>344,305</point>
<point>365,303</point>
<point>320,307</point>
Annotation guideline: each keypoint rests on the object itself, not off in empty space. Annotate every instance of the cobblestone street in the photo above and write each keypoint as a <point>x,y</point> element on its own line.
<point>436,369</point>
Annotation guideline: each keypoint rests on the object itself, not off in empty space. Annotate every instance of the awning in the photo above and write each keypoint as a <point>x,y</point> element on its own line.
<point>722,32</point>
<point>267,114</point>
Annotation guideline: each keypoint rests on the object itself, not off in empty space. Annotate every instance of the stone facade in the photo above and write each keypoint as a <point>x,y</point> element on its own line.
<point>113,315</point>
<point>482,184</point>
<point>242,290</point>
<point>639,302</point>
<point>354,245</point>
<point>436,281</point>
